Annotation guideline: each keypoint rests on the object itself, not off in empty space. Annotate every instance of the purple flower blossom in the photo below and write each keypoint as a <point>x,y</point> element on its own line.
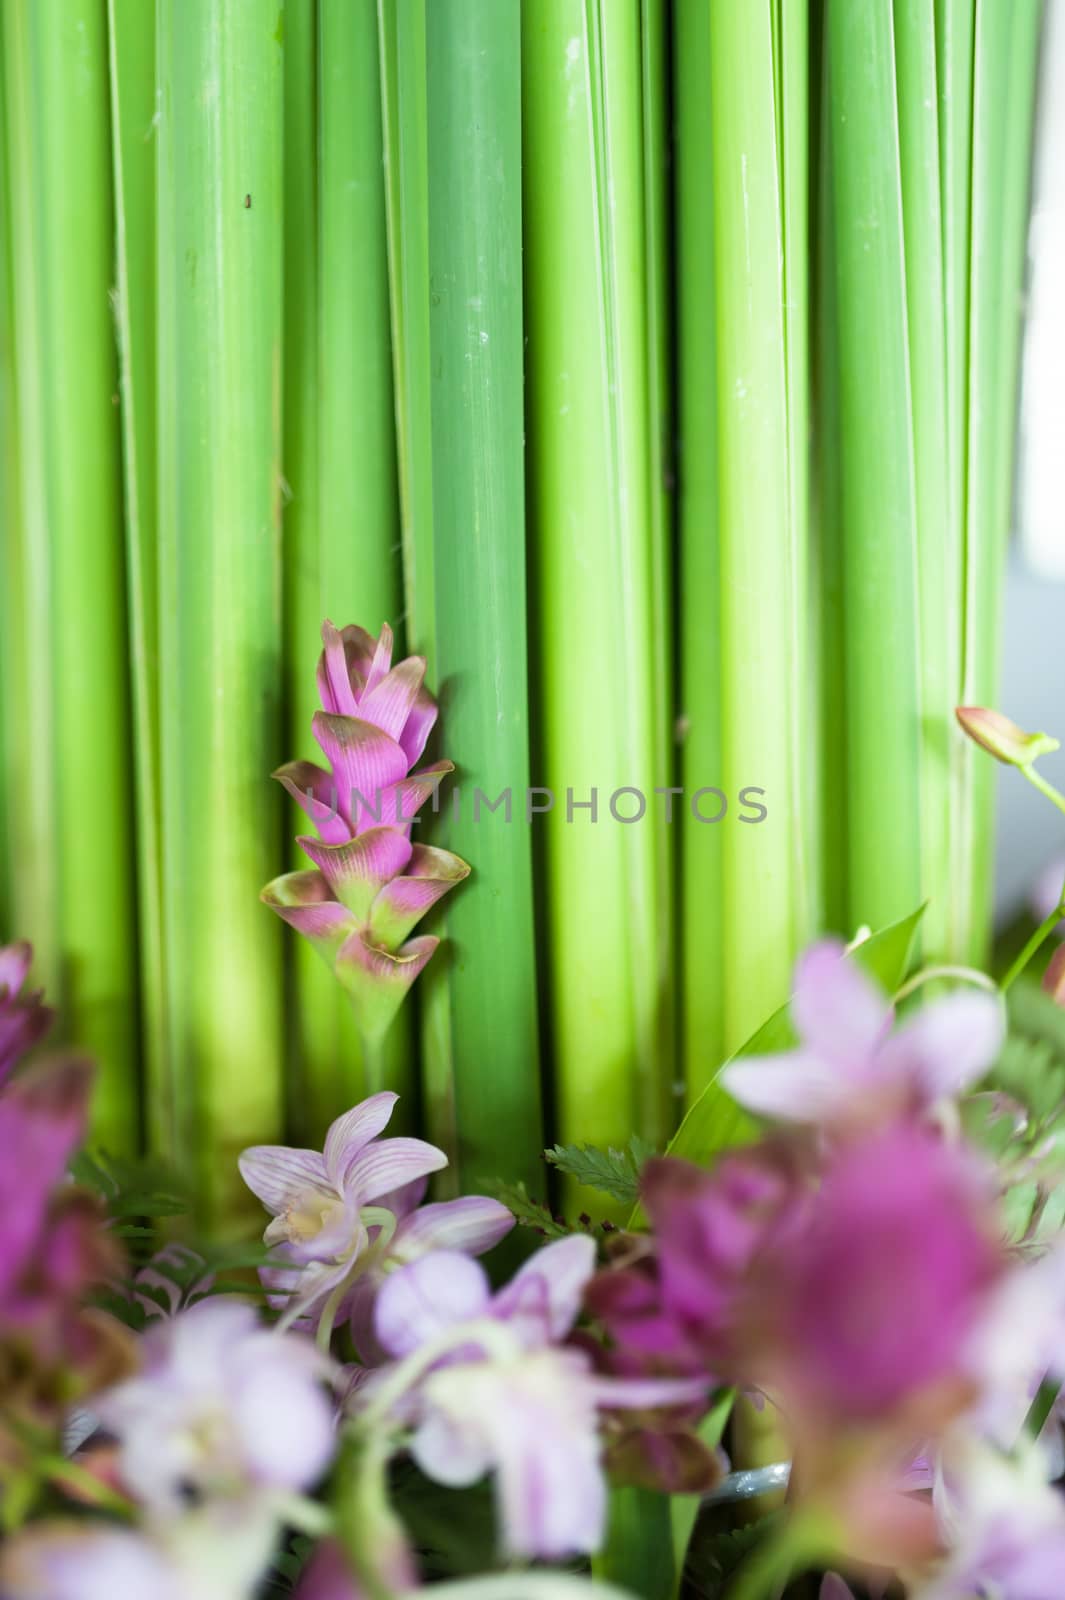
<point>871,1305</point>
<point>24,1018</point>
<point>370,886</point>
<point>492,1389</point>
<point>348,1216</point>
<point>223,1409</point>
<point>672,1305</point>
<point>849,1064</point>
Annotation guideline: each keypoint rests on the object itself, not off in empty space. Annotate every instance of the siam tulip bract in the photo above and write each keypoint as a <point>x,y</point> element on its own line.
<point>370,885</point>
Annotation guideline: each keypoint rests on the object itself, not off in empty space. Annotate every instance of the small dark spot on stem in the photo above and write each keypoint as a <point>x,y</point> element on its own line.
<point>247,202</point>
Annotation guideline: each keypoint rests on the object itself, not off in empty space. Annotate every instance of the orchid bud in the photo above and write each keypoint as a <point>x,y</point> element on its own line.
<point>1002,738</point>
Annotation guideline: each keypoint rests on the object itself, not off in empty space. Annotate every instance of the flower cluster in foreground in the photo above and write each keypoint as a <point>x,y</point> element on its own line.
<point>879,1265</point>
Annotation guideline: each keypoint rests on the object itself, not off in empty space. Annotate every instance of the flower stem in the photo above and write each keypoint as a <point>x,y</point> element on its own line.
<point>1035,943</point>
<point>979,980</point>
<point>1037,781</point>
<point>1041,1407</point>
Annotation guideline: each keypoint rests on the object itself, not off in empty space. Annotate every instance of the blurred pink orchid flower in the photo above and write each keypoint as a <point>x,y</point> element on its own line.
<point>850,1064</point>
<point>492,1388</point>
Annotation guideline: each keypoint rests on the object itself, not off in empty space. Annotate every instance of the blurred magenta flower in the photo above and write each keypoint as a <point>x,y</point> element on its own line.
<point>487,1385</point>
<point>868,1311</point>
<point>849,1063</point>
<point>24,1018</point>
<point>370,885</point>
<point>223,1408</point>
<point>669,1302</point>
<point>348,1216</point>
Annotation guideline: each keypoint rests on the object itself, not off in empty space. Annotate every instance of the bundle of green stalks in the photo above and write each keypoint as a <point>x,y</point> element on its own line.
<point>650,366</point>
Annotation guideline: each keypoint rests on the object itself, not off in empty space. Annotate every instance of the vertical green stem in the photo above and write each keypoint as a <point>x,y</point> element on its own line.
<point>131,29</point>
<point>474,126</point>
<point>883,678</point>
<point>220,326</point>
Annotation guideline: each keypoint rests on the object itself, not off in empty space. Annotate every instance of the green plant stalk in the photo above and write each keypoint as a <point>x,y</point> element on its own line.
<point>404,91</point>
<point>476,380</point>
<point>758,542</point>
<point>357,494</point>
<point>698,593</point>
<point>131,38</point>
<point>29,752</point>
<point>80,627</point>
<point>325,1073</point>
<point>939,556</point>
<point>588,430</point>
<point>10,541</point>
<point>881,645</point>
<point>654,72</point>
<point>1004,68</point>
<point>219,409</point>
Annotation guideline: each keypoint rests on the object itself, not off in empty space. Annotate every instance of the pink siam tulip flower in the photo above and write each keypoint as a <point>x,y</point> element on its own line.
<point>673,1305</point>
<point>869,1310</point>
<point>370,885</point>
<point>850,1065</point>
<point>223,1409</point>
<point>1000,736</point>
<point>24,1018</point>
<point>487,1385</point>
<point>348,1216</point>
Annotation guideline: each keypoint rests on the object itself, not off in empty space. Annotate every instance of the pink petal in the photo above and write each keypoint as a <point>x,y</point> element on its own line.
<point>334,680</point>
<point>648,1394</point>
<point>426,1298</point>
<point>390,703</point>
<point>278,1175</point>
<point>550,1286</point>
<point>403,902</point>
<point>365,762</point>
<point>359,648</point>
<point>377,980</point>
<point>381,660</point>
<point>834,1588</point>
<point>388,1164</point>
<point>405,799</point>
<point>450,1452</point>
<point>14,965</point>
<point>551,1485</point>
<point>796,1088</point>
<point>302,899</point>
<point>419,726</point>
<point>352,1132</point>
<point>318,794</point>
<point>357,869</point>
<point>471,1224</point>
<point>838,1011</point>
<point>947,1045</point>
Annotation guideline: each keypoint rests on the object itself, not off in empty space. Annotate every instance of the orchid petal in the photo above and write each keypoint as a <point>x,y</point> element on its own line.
<point>648,1394</point>
<point>426,1298</point>
<point>377,980</point>
<point>365,763</point>
<point>403,902</point>
<point>545,1294</point>
<point>390,703</point>
<point>357,869</point>
<point>838,1011</point>
<point>334,679</point>
<point>471,1224</point>
<point>451,1451</point>
<point>796,1088</point>
<point>316,793</point>
<point>947,1045</point>
<point>389,1163</point>
<point>352,1132</point>
<point>278,1175</point>
<point>834,1588</point>
<point>302,899</point>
